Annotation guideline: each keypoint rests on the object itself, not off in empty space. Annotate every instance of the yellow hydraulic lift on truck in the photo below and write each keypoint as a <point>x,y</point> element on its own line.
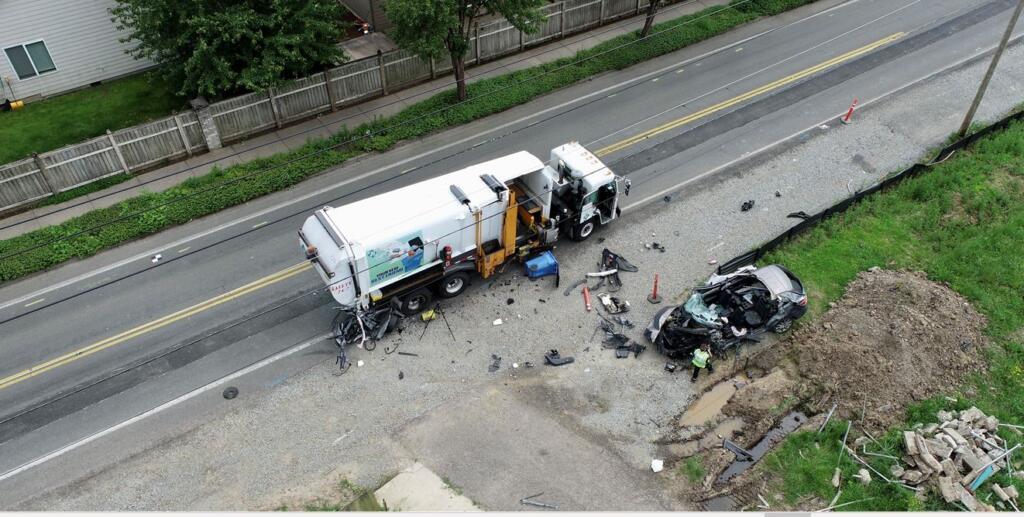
<point>424,240</point>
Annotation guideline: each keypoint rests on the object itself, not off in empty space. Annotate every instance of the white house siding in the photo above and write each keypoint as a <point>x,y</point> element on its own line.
<point>80,37</point>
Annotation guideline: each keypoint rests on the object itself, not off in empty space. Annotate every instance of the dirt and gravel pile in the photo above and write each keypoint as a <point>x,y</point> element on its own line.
<point>895,337</point>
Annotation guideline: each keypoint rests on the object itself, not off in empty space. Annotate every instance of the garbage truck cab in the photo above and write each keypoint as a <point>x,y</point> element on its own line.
<point>425,240</point>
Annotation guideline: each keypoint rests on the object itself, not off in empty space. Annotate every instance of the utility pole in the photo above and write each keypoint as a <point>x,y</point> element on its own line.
<point>991,70</point>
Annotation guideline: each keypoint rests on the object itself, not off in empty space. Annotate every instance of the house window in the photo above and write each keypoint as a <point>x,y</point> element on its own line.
<point>30,59</point>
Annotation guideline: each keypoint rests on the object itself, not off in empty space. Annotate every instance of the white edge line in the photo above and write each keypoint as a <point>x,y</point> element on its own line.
<point>254,215</point>
<point>760,150</point>
<point>166,405</point>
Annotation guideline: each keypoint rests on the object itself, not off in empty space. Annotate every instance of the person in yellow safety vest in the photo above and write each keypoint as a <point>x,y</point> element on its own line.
<point>701,360</point>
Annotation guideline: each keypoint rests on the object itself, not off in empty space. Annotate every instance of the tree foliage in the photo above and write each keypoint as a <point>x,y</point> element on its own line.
<point>218,47</point>
<point>432,28</point>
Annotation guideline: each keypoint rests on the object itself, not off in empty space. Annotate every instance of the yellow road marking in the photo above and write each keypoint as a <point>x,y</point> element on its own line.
<point>153,325</point>
<point>29,304</point>
<point>774,85</point>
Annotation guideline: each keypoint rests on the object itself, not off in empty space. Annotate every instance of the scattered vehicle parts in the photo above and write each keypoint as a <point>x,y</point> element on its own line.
<point>747,205</point>
<point>613,304</point>
<point>554,359</point>
<point>529,500</point>
<point>230,392</point>
<point>495,364</point>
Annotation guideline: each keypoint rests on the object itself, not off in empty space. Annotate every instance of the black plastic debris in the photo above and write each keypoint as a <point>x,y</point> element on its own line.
<point>363,328</point>
<point>747,205</point>
<point>495,364</point>
<point>670,367</point>
<point>622,352</point>
<point>401,375</point>
<point>625,322</point>
<point>778,194</point>
<point>611,260</point>
<point>799,215</point>
<point>510,301</point>
<point>657,246</point>
<point>554,359</point>
<point>230,392</point>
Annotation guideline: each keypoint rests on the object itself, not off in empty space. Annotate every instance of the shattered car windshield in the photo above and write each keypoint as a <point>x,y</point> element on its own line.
<point>702,313</point>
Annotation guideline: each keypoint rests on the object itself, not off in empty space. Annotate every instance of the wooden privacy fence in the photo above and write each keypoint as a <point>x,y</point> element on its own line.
<point>173,138</point>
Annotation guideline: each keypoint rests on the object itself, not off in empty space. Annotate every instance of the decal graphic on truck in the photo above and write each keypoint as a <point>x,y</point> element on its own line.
<point>396,259</point>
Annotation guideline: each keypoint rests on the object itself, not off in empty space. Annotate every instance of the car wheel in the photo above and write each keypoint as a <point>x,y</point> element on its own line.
<point>452,285</point>
<point>783,326</point>
<point>416,302</point>
<point>584,230</point>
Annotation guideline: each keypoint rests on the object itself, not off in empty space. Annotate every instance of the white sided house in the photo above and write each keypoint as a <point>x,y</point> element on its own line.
<point>49,47</point>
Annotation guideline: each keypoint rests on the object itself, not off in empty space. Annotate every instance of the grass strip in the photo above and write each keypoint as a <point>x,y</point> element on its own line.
<point>963,224</point>
<point>239,183</point>
<point>73,117</point>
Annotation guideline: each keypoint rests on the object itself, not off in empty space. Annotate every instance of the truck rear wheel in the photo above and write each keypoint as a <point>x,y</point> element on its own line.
<point>416,302</point>
<point>452,285</point>
<point>584,230</point>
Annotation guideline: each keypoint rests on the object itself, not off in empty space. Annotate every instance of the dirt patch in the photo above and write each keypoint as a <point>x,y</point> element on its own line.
<point>894,338</point>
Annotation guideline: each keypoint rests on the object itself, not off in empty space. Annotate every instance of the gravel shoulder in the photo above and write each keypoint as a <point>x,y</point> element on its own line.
<point>585,433</point>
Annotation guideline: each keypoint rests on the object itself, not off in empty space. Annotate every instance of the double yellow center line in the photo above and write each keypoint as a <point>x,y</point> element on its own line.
<point>153,325</point>
<point>298,268</point>
<point>618,146</point>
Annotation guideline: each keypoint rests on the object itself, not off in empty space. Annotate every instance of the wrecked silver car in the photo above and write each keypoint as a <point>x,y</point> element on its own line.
<point>729,309</point>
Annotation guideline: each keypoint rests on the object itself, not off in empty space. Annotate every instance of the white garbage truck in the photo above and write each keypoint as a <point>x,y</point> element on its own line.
<point>424,240</point>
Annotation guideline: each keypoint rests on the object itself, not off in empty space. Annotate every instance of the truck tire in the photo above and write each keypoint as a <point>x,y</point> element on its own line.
<point>452,285</point>
<point>584,230</point>
<point>416,302</point>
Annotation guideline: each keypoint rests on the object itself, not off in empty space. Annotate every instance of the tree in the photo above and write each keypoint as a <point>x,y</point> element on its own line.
<point>652,9</point>
<point>216,47</point>
<point>431,28</point>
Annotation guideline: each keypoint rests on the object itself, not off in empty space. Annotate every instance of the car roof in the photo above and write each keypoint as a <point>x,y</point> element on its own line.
<point>775,279</point>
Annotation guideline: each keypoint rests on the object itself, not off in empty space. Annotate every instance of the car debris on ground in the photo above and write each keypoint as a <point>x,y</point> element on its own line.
<point>529,501</point>
<point>553,358</point>
<point>609,267</point>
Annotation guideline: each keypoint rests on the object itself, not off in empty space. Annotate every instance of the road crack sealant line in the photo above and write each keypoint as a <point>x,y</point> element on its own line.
<point>146,361</point>
<point>166,405</point>
<point>754,155</point>
<point>154,325</point>
<point>594,97</point>
<point>307,344</point>
<point>368,135</point>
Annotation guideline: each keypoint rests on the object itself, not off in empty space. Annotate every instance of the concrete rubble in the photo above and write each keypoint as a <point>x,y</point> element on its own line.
<point>956,456</point>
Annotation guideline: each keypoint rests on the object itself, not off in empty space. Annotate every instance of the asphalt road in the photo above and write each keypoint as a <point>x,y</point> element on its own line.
<point>118,327</point>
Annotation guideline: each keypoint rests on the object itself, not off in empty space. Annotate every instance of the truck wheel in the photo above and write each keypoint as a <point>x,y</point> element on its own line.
<point>416,302</point>
<point>452,285</point>
<point>584,230</point>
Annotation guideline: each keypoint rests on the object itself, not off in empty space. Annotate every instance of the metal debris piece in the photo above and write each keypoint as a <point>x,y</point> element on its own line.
<point>528,500</point>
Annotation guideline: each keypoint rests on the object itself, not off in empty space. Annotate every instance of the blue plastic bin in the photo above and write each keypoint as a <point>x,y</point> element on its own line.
<point>542,265</point>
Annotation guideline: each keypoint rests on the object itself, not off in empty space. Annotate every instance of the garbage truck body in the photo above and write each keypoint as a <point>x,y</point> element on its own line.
<point>425,239</point>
